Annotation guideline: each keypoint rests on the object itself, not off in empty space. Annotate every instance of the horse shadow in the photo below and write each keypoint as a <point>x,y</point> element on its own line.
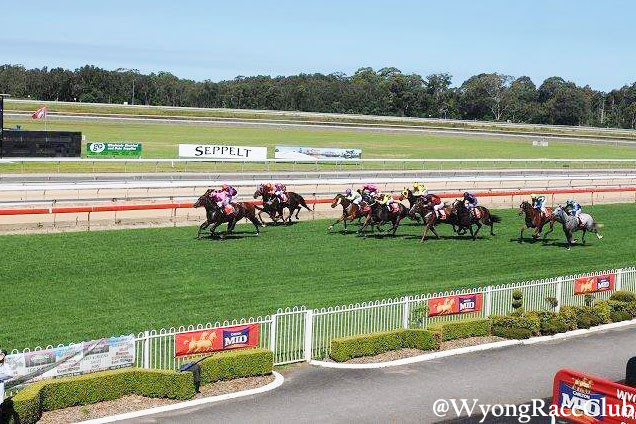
<point>445,237</point>
<point>236,235</point>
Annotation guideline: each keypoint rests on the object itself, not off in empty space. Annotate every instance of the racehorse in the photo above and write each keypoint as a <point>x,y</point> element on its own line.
<point>571,224</point>
<point>430,219</point>
<point>379,215</point>
<point>350,211</point>
<point>478,216</point>
<point>534,218</point>
<point>407,194</point>
<point>216,217</point>
<point>275,208</point>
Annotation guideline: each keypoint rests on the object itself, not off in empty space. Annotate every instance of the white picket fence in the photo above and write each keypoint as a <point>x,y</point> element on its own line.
<point>299,334</point>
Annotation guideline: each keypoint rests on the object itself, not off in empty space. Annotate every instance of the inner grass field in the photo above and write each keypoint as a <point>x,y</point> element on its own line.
<point>59,288</point>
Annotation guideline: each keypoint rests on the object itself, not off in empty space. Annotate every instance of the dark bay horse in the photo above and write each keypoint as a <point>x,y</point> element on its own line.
<point>534,218</point>
<point>431,220</point>
<point>479,216</point>
<point>216,217</point>
<point>350,211</point>
<point>571,224</point>
<point>275,208</point>
<point>379,215</point>
<point>407,194</point>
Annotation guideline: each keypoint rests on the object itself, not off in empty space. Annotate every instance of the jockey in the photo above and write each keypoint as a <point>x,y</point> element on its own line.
<point>470,200</point>
<point>419,189</point>
<point>370,189</point>
<point>280,191</point>
<point>222,200</point>
<point>538,202</point>
<point>353,196</point>
<point>435,202</point>
<point>231,191</point>
<point>573,208</point>
<point>385,200</point>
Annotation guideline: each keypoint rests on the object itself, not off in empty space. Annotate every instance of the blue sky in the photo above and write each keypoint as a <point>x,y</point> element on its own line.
<point>588,42</point>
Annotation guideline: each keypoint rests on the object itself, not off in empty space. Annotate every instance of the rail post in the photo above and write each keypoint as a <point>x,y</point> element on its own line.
<point>488,302</point>
<point>272,335</point>
<point>146,352</point>
<point>557,295</point>
<point>619,279</point>
<point>406,312</point>
<point>309,324</point>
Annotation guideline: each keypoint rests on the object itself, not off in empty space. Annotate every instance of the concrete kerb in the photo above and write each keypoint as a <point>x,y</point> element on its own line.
<point>477,348</point>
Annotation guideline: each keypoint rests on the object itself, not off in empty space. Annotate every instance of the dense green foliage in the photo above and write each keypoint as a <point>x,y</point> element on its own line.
<point>59,288</point>
<point>461,329</point>
<point>58,393</point>
<point>346,348</point>
<point>384,92</point>
<point>235,364</point>
<point>521,326</point>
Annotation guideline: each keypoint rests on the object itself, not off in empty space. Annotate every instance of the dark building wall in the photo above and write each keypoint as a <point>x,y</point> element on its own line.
<point>59,144</point>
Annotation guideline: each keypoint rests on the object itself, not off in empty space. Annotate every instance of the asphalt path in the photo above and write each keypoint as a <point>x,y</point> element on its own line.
<point>405,394</point>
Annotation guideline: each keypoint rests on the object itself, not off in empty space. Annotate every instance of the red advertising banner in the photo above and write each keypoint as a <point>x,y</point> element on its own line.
<point>216,339</point>
<point>458,304</point>
<point>594,284</point>
<point>581,398</point>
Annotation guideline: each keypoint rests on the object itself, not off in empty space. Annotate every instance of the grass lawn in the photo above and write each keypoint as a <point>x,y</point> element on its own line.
<point>161,141</point>
<point>58,288</point>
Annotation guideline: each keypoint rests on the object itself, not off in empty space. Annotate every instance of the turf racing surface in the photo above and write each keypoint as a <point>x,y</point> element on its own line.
<point>59,288</point>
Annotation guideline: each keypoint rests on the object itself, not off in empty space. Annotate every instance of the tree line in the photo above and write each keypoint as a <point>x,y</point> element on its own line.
<point>388,91</point>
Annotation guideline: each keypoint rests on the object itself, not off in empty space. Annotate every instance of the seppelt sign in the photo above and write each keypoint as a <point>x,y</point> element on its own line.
<point>595,284</point>
<point>581,398</point>
<point>457,304</point>
<point>216,339</point>
<point>215,151</point>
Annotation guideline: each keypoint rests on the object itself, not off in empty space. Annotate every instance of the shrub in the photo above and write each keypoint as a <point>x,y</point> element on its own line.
<point>346,348</point>
<point>588,299</point>
<point>618,316</point>
<point>552,323</point>
<point>591,316</point>
<point>552,301</point>
<point>235,364</point>
<point>461,329</point>
<point>568,314</point>
<point>623,296</point>
<point>58,393</point>
<point>517,301</point>
<point>515,326</point>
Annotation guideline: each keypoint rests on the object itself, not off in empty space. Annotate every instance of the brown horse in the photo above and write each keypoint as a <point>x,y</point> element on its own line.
<point>379,215</point>
<point>350,211</point>
<point>534,218</point>
<point>216,217</point>
<point>478,216</point>
<point>274,207</point>
<point>422,208</point>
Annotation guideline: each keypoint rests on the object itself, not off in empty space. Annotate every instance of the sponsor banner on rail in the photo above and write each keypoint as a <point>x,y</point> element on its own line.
<point>458,304</point>
<point>216,339</point>
<point>216,151</point>
<point>311,153</point>
<point>594,284</point>
<point>113,149</point>
<point>80,358</point>
<point>581,398</point>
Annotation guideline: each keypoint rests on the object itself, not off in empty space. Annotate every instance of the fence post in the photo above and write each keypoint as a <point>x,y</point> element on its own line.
<point>309,324</point>
<point>619,279</point>
<point>406,312</point>
<point>272,335</point>
<point>488,306</point>
<point>146,349</point>
<point>557,295</point>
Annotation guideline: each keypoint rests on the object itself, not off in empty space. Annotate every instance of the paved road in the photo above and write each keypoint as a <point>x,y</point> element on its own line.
<point>511,375</point>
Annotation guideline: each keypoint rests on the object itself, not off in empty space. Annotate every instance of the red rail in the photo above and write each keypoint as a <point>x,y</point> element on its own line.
<point>153,206</point>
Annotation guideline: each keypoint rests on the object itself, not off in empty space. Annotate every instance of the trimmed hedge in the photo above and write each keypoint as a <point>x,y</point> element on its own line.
<point>346,348</point>
<point>619,310</point>
<point>623,296</point>
<point>48,395</point>
<point>516,326</point>
<point>553,323</point>
<point>236,364</point>
<point>461,329</point>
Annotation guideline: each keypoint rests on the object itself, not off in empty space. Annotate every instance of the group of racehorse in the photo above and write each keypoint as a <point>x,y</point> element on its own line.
<point>459,214</point>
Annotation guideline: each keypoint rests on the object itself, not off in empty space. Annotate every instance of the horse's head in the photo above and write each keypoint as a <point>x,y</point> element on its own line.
<point>523,207</point>
<point>203,200</point>
<point>336,200</point>
<point>259,191</point>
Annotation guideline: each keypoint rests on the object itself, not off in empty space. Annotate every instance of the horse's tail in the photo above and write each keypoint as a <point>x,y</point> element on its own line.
<point>302,202</point>
<point>495,219</point>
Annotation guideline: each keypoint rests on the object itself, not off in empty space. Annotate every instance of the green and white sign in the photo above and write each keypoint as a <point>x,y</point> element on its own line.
<point>113,149</point>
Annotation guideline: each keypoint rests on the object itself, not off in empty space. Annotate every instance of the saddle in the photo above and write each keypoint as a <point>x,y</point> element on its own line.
<point>394,207</point>
<point>477,213</point>
<point>442,216</point>
<point>365,210</point>
<point>229,210</point>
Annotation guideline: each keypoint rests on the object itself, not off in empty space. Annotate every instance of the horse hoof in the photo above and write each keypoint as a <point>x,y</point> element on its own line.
<point>330,227</point>
<point>600,237</point>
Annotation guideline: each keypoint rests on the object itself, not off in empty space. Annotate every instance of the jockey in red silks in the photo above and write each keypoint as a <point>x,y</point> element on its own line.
<point>435,202</point>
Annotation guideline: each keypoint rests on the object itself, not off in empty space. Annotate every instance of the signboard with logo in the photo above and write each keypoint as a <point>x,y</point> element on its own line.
<point>594,284</point>
<point>458,304</point>
<point>216,339</point>
<point>581,398</point>
<point>80,358</point>
<point>311,153</point>
<point>215,151</point>
<point>113,149</point>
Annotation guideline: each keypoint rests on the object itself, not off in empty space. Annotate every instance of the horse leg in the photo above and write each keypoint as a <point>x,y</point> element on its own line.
<point>216,224</point>
<point>341,219</point>
<point>254,221</point>
<point>583,237</point>
<point>297,212</point>
<point>521,235</point>
<point>549,231</point>
<point>202,227</point>
<point>478,228</point>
